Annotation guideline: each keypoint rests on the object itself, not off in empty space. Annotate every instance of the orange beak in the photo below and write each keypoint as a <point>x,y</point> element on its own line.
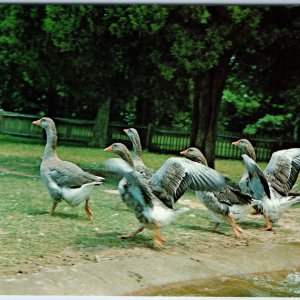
<point>236,143</point>
<point>108,149</point>
<point>184,152</point>
<point>125,130</point>
<point>37,122</point>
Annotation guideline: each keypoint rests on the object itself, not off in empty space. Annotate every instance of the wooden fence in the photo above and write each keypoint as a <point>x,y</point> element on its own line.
<point>153,139</point>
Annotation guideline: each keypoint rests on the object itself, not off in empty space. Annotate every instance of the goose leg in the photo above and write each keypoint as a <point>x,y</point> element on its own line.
<point>87,210</point>
<point>237,229</point>
<point>215,227</point>
<point>53,208</point>
<point>131,234</point>
<point>268,223</point>
<point>158,239</point>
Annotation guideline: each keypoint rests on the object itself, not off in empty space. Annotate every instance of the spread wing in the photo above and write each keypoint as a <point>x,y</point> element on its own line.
<point>256,181</point>
<point>133,184</point>
<point>176,175</point>
<point>283,169</point>
<point>231,196</point>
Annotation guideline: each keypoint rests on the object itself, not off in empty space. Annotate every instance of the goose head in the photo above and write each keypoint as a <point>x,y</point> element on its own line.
<point>121,150</point>
<point>246,147</point>
<point>243,144</point>
<point>44,123</point>
<point>131,132</point>
<point>194,154</point>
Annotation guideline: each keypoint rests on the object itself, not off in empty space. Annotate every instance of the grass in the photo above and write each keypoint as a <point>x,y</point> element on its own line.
<point>30,236</point>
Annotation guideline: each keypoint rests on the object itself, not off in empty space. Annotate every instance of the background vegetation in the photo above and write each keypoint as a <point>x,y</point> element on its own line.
<point>201,68</point>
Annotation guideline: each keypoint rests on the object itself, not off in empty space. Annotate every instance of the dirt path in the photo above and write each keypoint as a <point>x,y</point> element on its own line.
<point>126,271</point>
<point>126,275</point>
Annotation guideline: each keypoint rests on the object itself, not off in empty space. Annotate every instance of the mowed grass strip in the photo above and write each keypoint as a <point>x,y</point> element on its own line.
<point>30,236</point>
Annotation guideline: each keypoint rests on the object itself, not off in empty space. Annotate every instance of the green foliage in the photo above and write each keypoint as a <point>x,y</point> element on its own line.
<point>145,57</point>
<point>146,20</point>
<point>269,124</point>
<point>240,106</point>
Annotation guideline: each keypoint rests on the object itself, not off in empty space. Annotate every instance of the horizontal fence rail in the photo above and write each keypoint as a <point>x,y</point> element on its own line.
<point>153,139</point>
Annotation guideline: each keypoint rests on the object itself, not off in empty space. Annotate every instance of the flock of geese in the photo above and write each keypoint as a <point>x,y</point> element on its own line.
<point>151,194</point>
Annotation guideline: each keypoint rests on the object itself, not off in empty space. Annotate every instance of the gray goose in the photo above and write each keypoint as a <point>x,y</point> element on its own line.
<point>121,150</point>
<point>281,173</point>
<point>174,177</point>
<point>137,153</point>
<point>64,180</point>
<point>226,203</point>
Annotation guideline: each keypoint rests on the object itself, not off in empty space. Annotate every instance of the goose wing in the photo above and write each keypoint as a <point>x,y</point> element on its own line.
<point>231,196</point>
<point>283,169</point>
<point>136,187</point>
<point>67,174</point>
<point>256,180</point>
<point>176,175</point>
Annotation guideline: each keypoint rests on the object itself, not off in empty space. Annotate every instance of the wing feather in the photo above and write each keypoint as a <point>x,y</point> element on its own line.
<point>257,181</point>
<point>67,174</point>
<point>176,175</point>
<point>283,169</point>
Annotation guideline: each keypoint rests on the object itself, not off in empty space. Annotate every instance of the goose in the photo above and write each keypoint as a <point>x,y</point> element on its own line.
<point>63,179</point>
<point>121,150</point>
<point>281,173</point>
<point>226,203</point>
<point>174,177</point>
<point>137,153</point>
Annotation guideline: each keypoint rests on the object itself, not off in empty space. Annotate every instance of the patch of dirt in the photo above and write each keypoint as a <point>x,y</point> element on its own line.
<point>115,192</point>
<point>285,232</point>
<point>14,172</point>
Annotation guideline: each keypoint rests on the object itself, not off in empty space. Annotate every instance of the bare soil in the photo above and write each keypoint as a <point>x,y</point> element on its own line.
<point>124,271</point>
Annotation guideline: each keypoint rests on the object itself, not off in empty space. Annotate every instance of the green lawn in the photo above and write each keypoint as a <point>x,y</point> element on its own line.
<point>29,235</point>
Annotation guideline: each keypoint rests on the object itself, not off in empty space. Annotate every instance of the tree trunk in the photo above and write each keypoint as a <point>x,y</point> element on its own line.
<point>143,111</point>
<point>208,95</point>
<point>100,129</point>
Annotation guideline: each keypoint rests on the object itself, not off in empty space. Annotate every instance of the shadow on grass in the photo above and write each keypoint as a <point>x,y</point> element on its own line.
<point>111,239</point>
<point>251,225</point>
<point>223,229</point>
<point>63,215</point>
<point>196,228</point>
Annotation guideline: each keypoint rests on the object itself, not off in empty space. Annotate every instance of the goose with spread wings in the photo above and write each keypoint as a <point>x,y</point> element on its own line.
<point>121,150</point>
<point>64,180</point>
<point>174,177</point>
<point>223,204</point>
<point>281,173</point>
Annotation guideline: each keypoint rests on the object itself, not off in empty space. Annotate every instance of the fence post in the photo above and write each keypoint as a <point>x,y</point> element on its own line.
<point>1,119</point>
<point>149,136</point>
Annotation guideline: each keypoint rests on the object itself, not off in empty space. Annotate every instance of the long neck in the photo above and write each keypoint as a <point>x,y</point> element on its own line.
<point>125,155</point>
<point>199,158</point>
<point>202,160</point>
<point>50,149</point>
<point>137,148</point>
<point>249,150</point>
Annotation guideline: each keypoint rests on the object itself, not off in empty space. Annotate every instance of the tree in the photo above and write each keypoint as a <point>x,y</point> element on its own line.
<point>270,75</point>
<point>151,64</point>
<point>199,45</point>
<point>31,66</point>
